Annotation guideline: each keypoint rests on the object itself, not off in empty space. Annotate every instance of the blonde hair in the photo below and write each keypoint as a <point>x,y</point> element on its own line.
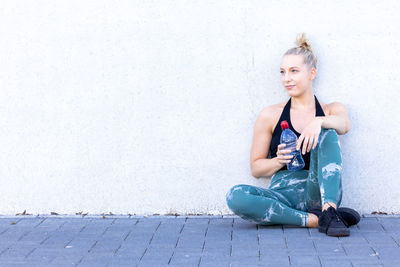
<point>304,48</point>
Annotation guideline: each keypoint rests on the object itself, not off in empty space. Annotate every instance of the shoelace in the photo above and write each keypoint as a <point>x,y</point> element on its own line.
<point>336,214</point>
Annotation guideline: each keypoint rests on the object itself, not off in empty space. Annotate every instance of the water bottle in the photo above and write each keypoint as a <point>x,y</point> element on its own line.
<point>289,138</point>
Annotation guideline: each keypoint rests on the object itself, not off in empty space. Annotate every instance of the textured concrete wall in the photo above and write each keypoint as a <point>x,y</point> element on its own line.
<point>149,106</point>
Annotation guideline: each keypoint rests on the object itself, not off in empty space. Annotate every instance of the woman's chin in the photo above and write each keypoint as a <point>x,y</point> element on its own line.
<point>294,93</point>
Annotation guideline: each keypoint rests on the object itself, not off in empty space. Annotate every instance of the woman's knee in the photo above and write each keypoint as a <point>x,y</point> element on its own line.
<point>329,134</point>
<point>328,139</point>
<point>235,197</point>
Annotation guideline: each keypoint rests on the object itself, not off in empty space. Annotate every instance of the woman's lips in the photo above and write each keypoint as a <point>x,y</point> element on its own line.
<point>289,86</point>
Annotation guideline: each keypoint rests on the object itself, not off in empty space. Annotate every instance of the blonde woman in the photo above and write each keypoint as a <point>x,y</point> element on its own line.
<point>309,197</point>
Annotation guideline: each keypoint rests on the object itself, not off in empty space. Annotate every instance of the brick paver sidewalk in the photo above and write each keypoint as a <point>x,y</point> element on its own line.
<point>191,241</point>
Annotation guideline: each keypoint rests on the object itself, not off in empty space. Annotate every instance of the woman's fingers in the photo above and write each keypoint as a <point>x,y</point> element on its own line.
<point>281,150</point>
<point>315,141</point>
<point>281,146</point>
<point>289,158</point>
<point>299,141</point>
<point>283,154</point>
<point>310,143</point>
<point>305,144</point>
<point>286,159</point>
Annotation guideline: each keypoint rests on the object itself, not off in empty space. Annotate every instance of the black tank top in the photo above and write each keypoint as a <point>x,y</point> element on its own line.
<point>285,116</point>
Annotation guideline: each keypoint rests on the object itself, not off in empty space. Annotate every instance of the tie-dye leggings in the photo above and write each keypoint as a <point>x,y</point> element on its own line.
<point>291,194</point>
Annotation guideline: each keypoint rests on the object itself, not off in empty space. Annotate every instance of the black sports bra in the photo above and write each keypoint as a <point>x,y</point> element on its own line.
<point>285,116</point>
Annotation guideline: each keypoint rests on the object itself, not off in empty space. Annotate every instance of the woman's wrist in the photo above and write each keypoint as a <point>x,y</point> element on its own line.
<point>278,164</point>
<point>320,119</point>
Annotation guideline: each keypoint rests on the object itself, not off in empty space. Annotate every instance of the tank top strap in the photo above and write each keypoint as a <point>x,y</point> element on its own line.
<point>286,110</point>
<point>284,115</point>
<point>318,109</point>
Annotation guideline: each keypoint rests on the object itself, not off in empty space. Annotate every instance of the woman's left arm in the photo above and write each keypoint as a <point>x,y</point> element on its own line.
<point>337,119</point>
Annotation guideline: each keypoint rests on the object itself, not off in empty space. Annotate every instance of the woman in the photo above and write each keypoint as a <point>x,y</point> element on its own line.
<point>309,197</point>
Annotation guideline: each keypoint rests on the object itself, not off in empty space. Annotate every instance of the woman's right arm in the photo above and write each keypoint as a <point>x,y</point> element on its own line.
<point>259,163</point>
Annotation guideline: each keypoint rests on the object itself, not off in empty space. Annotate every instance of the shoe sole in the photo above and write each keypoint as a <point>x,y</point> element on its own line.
<point>356,216</point>
<point>335,232</point>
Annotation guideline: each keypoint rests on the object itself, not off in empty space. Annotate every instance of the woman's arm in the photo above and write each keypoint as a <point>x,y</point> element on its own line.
<point>265,167</point>
<point>260,165</point>
<point>338,118</point>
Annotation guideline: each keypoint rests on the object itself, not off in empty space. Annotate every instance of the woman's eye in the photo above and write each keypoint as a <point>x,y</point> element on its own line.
<point>282,72</point>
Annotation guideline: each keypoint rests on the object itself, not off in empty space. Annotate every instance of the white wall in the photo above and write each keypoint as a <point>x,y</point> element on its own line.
<point>148,106</point>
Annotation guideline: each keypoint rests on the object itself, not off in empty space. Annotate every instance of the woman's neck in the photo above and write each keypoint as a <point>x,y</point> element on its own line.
<point>304,101</point>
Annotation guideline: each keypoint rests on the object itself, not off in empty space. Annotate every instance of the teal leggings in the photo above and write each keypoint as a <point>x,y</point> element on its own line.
<point>291,194</point>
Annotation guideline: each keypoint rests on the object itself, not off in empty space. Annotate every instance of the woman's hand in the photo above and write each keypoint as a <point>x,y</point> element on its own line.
<point>310,135</point>
<point>281,155</point>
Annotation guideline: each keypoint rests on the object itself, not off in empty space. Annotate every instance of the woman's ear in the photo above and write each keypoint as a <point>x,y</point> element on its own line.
<point>313,73</point>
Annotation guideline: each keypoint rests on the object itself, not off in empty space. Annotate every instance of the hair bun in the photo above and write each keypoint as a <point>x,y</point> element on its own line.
<point>303,42</point>
<point>303,48</point>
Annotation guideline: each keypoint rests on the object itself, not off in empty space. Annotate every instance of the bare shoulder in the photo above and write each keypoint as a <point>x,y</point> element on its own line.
<point>333,108</point>
<point>270,115</point>
<point>272,110</point>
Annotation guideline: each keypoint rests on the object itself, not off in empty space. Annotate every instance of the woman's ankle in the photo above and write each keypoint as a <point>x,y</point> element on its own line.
<point>312,220</point>
<point>327,205</point>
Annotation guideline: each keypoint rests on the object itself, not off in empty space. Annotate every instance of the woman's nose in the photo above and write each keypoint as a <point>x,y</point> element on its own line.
<point>286,77</point>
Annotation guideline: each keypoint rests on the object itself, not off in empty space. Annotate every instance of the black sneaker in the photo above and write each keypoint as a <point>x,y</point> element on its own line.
<point>350,216</point>
<point>331,223</point>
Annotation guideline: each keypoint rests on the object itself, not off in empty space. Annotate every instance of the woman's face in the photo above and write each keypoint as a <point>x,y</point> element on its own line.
<point>295,75</point>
